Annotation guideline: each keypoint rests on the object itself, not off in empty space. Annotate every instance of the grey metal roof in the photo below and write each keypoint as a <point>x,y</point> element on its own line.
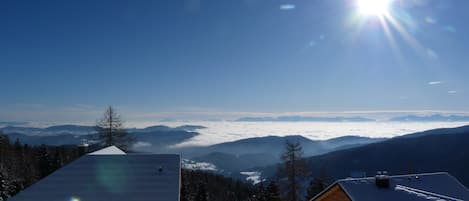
<point>110,178</point>
<point>431,186</point>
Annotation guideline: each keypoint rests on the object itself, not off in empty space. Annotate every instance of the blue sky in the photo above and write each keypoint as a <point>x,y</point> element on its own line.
<point>64,58</point>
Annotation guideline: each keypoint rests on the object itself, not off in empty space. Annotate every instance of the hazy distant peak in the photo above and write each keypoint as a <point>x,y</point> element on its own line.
<point>160,128</point>
<point>435,117</point>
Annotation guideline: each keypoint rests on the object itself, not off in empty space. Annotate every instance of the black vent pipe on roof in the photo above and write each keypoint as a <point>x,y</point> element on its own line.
<point>382,180</point>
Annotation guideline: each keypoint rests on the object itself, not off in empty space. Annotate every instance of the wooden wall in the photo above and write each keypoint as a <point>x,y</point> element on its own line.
<point>333,194</point>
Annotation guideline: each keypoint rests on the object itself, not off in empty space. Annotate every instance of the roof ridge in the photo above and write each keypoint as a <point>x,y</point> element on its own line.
<point>397,176</point>
<point>419,191</point>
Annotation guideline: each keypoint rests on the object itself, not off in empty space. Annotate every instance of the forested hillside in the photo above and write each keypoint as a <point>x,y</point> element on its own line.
<point>21,165</point>
<point>442,150</point>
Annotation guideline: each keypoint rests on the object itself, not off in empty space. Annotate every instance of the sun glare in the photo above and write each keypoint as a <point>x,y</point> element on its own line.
<point>374,7</point>
<point>391,16</point>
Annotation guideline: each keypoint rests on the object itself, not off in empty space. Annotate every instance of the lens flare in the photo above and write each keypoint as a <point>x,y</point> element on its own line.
<point>74,199</point>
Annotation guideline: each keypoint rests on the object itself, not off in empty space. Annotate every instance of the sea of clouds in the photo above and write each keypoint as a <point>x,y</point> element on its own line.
<point>224,131</point>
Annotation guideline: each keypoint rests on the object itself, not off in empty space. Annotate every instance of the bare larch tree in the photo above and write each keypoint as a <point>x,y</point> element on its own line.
<point>111,131</point>
<point>293,168</point>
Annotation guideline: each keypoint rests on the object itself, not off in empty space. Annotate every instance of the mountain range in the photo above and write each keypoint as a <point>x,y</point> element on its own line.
<point>442,149</point>
<point>87,130</point>
<point>435,150</point>
<point>431,118</point>
<point>159,137</point>
<point>229,156</point>
<point>52,130</point>
<point>261,151</point>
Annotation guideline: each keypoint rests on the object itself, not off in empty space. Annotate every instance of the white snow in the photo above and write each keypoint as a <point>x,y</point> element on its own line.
<point>111,150</point>
<point>254,177</point>
<point>193,165</point>
<point>425,194</point>
<point>141,144</point>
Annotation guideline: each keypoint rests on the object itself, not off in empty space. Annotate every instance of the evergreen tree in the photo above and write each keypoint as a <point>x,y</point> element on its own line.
<point>30,171</point>
<point>6,187</point>
<point>273,192</point>
<point>184,194</point>
<point>44,161</point>
<point>201,193</point>
<point>23,165</point>
<point>316,185</point>
<point>18,148</point>
<point>4,148</point>
<point>18,164</point>
<point>261,193</point>
<point>57,159</point>
<point>111,131</point>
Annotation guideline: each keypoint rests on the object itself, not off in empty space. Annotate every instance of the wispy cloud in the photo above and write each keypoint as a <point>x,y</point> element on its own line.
<point>435,82</point>
<point>287,7</point>
<point>430,20</point>
<point>452,92</point>
<point>432,54</point>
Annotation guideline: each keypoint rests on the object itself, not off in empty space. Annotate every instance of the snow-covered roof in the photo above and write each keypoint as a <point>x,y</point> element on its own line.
<point>136,177</point>
<point>416,187</point>
<point>111,150</point>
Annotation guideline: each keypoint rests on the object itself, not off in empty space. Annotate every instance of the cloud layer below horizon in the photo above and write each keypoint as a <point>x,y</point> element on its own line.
<point>218,132</point>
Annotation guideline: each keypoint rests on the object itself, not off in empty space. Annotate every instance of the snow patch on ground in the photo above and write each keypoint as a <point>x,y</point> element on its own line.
<point>254,177</point>
<point>194,165</point>
<point>141,144</point>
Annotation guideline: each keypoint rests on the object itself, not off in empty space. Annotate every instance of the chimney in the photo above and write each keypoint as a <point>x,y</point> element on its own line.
<point>83,149</point>
<point>382,180</point>
<point>160,169</point>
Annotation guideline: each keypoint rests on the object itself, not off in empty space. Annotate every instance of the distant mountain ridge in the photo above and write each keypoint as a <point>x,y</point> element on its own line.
<point>87,130</point>
<point>443,149</point>
<point>159,141</point>
<point>275,144</point>
<point>431,118</point>
<point>304,118</point>
<point>438,131</point>
<point>52,130</point>
<point>160,138</point>
<point>232,157</point>
<point>228,156</point>
<point>12,123</point>
<point>438,150</point>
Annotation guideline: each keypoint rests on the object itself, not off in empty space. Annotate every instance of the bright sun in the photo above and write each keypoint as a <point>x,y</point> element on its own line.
<point>374,7</point>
